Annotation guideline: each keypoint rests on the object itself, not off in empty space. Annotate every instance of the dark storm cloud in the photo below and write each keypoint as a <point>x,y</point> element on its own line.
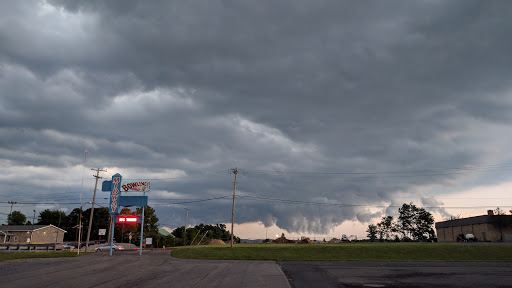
<point>270,86</point>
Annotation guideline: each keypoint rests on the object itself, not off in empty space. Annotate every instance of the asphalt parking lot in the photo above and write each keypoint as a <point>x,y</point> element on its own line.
<point>158,269</point>
<point>128,269</point>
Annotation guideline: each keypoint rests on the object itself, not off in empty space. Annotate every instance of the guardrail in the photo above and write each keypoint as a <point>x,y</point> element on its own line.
<point>29,248</point>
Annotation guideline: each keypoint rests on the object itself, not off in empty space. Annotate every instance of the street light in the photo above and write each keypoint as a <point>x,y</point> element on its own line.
<point>32,232</point>
<point>80,227</point>
<point>10,215</point>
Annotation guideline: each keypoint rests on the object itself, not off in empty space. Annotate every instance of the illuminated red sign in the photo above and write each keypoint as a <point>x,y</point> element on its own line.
<point>128,219</point>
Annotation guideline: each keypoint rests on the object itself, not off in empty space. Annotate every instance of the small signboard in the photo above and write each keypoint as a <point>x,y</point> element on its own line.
<point>149,241</point>
<point>102,232</point>
<point>135,186</point>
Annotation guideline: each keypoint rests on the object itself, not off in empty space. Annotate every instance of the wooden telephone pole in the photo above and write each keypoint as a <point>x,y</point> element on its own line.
<point>97,176</point>
<point>234,171</point>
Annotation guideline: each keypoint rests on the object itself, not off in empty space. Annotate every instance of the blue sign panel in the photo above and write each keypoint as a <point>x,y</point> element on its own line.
<point>106,186</point>
<point>128,201</point>
<point>115,193</point>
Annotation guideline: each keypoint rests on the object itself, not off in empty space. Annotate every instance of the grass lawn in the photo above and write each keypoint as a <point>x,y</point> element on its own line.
<point>352,252</point>
<point>22,255</point>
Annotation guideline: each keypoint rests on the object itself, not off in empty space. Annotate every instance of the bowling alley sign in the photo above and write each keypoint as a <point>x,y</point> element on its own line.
<point>116,186</point>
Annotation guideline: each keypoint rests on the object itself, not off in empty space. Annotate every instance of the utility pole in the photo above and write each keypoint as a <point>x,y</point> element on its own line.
<point>185,230</point>
<point>234,171</point>
<point>97,176</point>
<point>10,215</point>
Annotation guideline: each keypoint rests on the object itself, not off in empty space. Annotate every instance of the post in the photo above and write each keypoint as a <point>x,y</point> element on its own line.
<point>203,237</point>
<point>111,233</point>
<point>32,232</point>
<point>79,230</point>
<point>185,228</point>
<point>235,171</point>
<point>97,176</point>
<point>109,226</point>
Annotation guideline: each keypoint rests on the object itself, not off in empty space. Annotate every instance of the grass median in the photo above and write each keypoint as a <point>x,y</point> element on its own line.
<point>23,255</point>
<point>352,252</point>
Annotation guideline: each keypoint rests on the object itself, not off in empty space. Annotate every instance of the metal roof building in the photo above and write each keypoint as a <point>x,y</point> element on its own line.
<point>487,228</point>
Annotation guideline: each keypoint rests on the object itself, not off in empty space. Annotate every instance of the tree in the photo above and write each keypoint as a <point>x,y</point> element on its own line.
<point>52,217</point>
<point>101,220</point>
<point>217,231</point>
<point>16,218</point>
<point>416,222</point>
<point>150,223</point>
<point>387,227</point>
<point>372,232</point>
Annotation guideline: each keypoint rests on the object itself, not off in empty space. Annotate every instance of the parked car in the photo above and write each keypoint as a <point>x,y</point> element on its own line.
<point>64,246</point>
<point>130,246</point>
<point>106,247</point>
<point>466,238</point>
<point>116,247</point>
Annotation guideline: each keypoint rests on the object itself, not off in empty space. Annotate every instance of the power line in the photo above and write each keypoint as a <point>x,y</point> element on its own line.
<point>187,202</point>
<point>474,167</point>
<point>355,205</point>
<point>367,175</point>
<point>392,174</point>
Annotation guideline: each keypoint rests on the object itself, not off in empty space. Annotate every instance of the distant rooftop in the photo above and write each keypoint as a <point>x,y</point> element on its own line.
<point>483,219</point>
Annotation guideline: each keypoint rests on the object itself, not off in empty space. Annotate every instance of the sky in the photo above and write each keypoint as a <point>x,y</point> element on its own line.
<point>335,112</point>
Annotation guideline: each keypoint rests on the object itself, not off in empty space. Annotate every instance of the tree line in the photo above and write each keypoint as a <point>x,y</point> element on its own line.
<point>414,224</point>
<point>101,220</point>
<point>199,233</point>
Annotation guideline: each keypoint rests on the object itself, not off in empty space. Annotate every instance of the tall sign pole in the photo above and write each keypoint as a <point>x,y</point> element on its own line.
<point>142,229</point>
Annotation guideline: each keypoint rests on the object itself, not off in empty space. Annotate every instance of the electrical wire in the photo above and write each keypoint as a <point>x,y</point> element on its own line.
<point>353,205</point>
<point>194,201</point>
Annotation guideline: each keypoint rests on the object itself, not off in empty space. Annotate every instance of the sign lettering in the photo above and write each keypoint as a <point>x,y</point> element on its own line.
<point>136,186</point>
<point>114,193</point>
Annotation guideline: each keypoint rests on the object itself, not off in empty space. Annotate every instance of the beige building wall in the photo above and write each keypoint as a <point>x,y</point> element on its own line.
<point>19,237</point>
<point>40,236</point>
<point>47,235</point>
<point>483,232</point>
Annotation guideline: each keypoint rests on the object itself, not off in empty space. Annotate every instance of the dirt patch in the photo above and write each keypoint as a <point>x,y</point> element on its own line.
<point>214,242</point>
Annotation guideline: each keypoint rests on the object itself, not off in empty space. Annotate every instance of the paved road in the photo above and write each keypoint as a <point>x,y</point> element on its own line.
<point>158,269</point>
<point>397,274</point>
<point>127,269</point>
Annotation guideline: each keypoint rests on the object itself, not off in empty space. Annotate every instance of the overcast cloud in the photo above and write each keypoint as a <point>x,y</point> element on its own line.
<point>302,95</point>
